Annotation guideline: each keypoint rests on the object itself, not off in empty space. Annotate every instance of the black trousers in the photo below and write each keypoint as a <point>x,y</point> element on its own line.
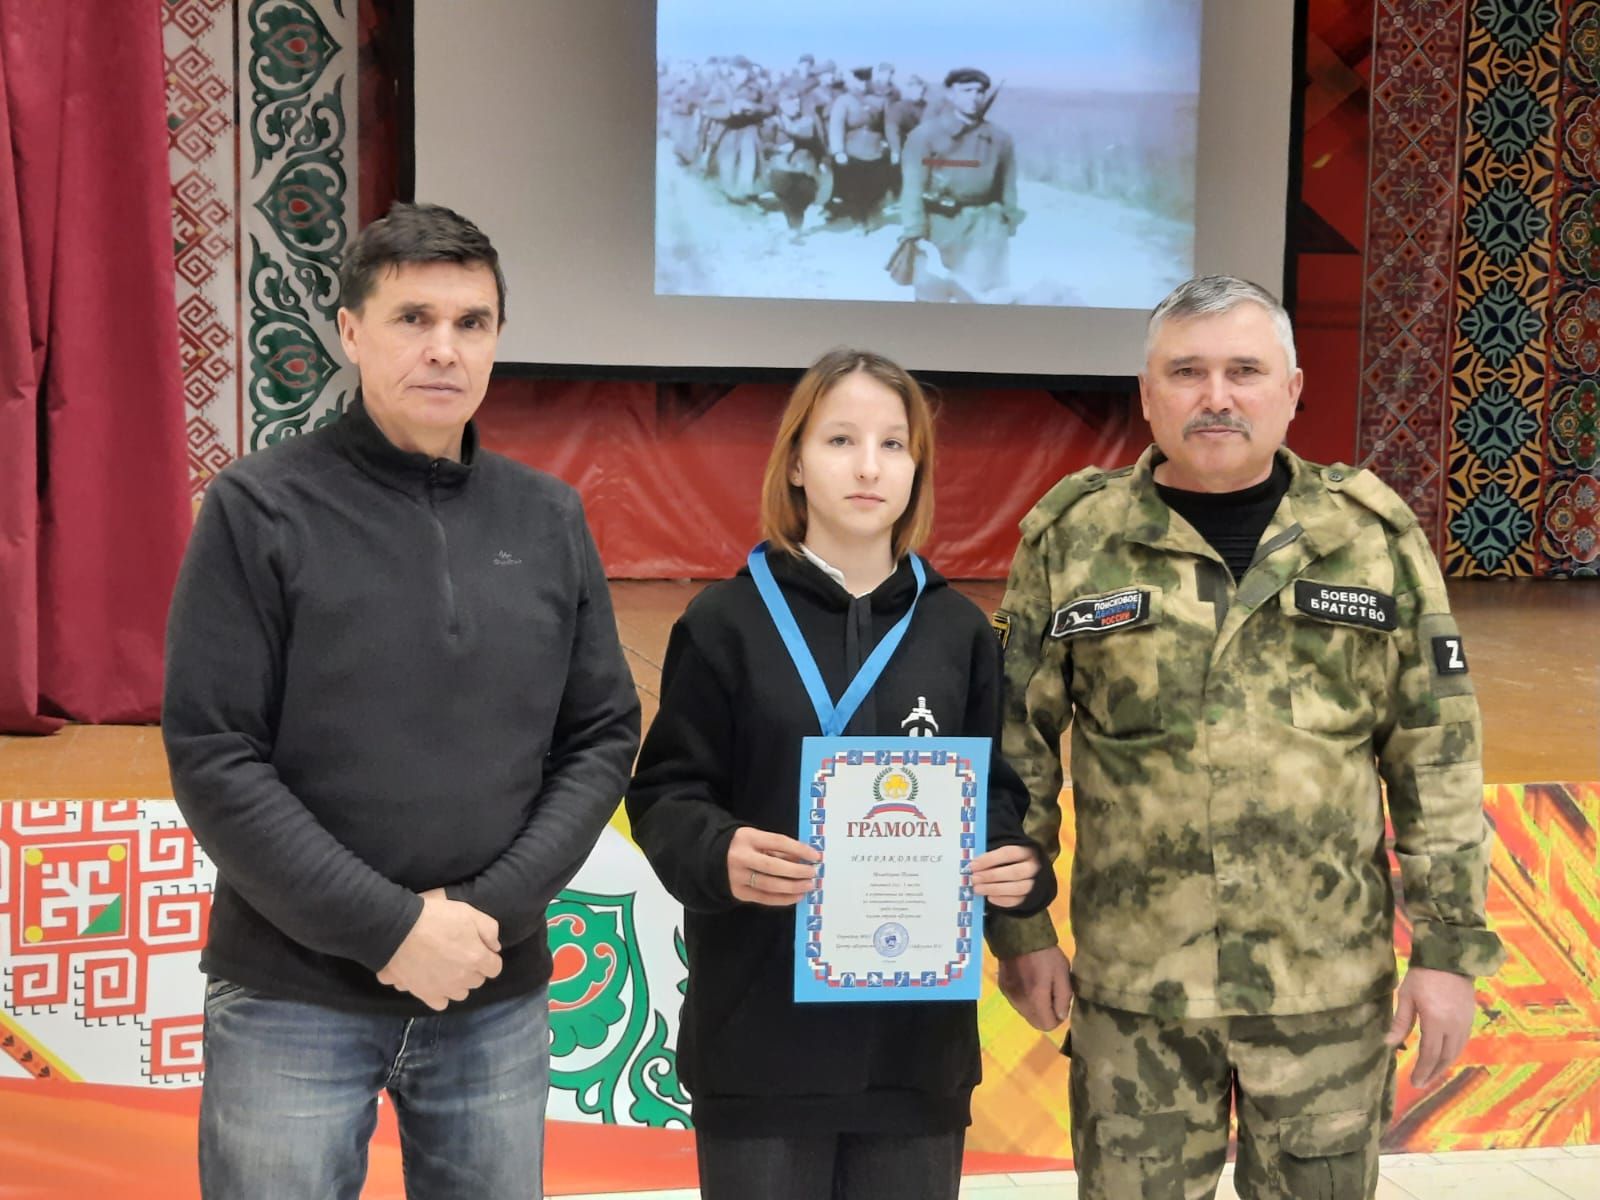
<point>860,185</point>
<point>844,1166</point>
<point>795,191</point>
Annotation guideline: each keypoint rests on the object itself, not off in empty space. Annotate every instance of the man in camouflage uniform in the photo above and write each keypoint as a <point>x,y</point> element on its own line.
<point>1243,644</point>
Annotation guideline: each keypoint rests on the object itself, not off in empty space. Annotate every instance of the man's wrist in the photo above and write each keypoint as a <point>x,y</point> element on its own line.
<point>1461,950</point>
<point>385,948</point>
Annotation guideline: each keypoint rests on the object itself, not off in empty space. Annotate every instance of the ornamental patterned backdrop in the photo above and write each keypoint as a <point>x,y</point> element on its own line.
<point>1530,1075</point>
<point>1569,518</point>
<point>261,116</point>
<point>1411,205</point>
<point>103,905</point>
<point>1480,391</point>
<point>1500,356</point>
<point>103,913</point>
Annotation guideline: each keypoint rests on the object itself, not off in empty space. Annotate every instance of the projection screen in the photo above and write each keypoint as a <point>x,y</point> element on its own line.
<point>1063,162</point>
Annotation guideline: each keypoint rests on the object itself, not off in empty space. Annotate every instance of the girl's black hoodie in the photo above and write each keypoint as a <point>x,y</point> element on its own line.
<point>723,752</point>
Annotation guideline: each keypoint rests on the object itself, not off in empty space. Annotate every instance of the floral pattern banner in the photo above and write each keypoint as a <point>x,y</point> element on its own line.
<point>261,107</point>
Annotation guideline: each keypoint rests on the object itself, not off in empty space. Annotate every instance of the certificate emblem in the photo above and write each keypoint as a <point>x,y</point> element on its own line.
<point>895,791</point>
<point>891,939</point>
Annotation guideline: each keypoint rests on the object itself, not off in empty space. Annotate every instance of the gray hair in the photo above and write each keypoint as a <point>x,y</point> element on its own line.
<point>1212,295</point>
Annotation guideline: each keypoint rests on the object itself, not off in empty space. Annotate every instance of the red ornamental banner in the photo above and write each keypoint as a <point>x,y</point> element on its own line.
<point>103,909</point>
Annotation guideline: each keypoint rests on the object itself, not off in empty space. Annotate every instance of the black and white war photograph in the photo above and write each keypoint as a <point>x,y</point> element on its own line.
<point>1033,152</point>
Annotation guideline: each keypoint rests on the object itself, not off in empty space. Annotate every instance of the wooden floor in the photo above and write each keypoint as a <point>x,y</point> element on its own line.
<point>1533,646</point>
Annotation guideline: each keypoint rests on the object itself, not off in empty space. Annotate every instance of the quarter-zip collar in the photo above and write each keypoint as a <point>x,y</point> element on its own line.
<point>360,440</point>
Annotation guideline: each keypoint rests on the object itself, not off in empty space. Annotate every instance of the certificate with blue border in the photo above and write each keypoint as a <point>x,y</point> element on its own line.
<point>893,916</point>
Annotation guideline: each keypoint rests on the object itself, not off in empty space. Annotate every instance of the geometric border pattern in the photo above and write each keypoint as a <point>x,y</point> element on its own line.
<point>1530,1075</point>
<point>198,41</point>
<point>1479,390</point>
<point>104,908</point>
<point>1501,327</point>
<point>103,911</point>
<point>1409,266</point>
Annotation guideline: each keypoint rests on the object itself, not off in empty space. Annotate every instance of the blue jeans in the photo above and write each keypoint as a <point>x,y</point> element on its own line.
<point>291,1098</point>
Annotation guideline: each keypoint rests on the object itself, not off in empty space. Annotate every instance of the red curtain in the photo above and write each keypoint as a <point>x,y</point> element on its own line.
<point>671,474</point>
<point>93,501</point>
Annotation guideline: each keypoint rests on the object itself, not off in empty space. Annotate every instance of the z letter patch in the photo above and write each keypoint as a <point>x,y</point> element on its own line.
<point>1347,603</point>
<point>1101,614</point>
<point>1448,656</point>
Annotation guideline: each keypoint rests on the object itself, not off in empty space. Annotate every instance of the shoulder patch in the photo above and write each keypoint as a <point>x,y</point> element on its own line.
<point>1058,499</point>
<point>1437,632</point>
<point>1367,490</point>
<point>1448,656</point>
<point>1000,622</point>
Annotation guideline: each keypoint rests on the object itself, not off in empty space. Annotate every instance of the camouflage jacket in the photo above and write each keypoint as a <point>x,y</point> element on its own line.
<point>1227,743</point>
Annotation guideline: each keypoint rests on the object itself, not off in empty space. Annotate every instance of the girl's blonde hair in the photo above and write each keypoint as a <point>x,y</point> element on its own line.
<point>783,503</point>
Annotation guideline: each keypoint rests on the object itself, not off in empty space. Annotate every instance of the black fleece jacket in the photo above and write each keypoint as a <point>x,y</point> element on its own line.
<point>386,674</point>
<point>723,752</point>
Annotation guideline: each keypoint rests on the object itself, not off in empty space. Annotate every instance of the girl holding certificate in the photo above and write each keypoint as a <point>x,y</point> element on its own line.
<point>835,627</point>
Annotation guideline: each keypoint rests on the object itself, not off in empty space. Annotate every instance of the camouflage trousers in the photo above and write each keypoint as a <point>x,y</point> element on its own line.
<point>1150,1103</point>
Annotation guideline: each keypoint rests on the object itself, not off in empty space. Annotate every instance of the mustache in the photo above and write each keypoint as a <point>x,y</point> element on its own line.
<point>1208,421</point>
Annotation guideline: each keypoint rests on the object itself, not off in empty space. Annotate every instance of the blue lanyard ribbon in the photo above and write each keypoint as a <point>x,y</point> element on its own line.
<point>832,718</point>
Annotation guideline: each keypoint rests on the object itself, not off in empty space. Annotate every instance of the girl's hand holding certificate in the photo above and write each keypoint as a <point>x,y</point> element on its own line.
<point>768,868</point>
<point>1004,876</point>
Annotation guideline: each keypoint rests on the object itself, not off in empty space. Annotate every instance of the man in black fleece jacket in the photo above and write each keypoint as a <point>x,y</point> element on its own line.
<point>397,717</point>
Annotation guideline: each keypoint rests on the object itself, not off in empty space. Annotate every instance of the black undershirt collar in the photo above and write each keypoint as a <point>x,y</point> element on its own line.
<point>1232,522</point>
